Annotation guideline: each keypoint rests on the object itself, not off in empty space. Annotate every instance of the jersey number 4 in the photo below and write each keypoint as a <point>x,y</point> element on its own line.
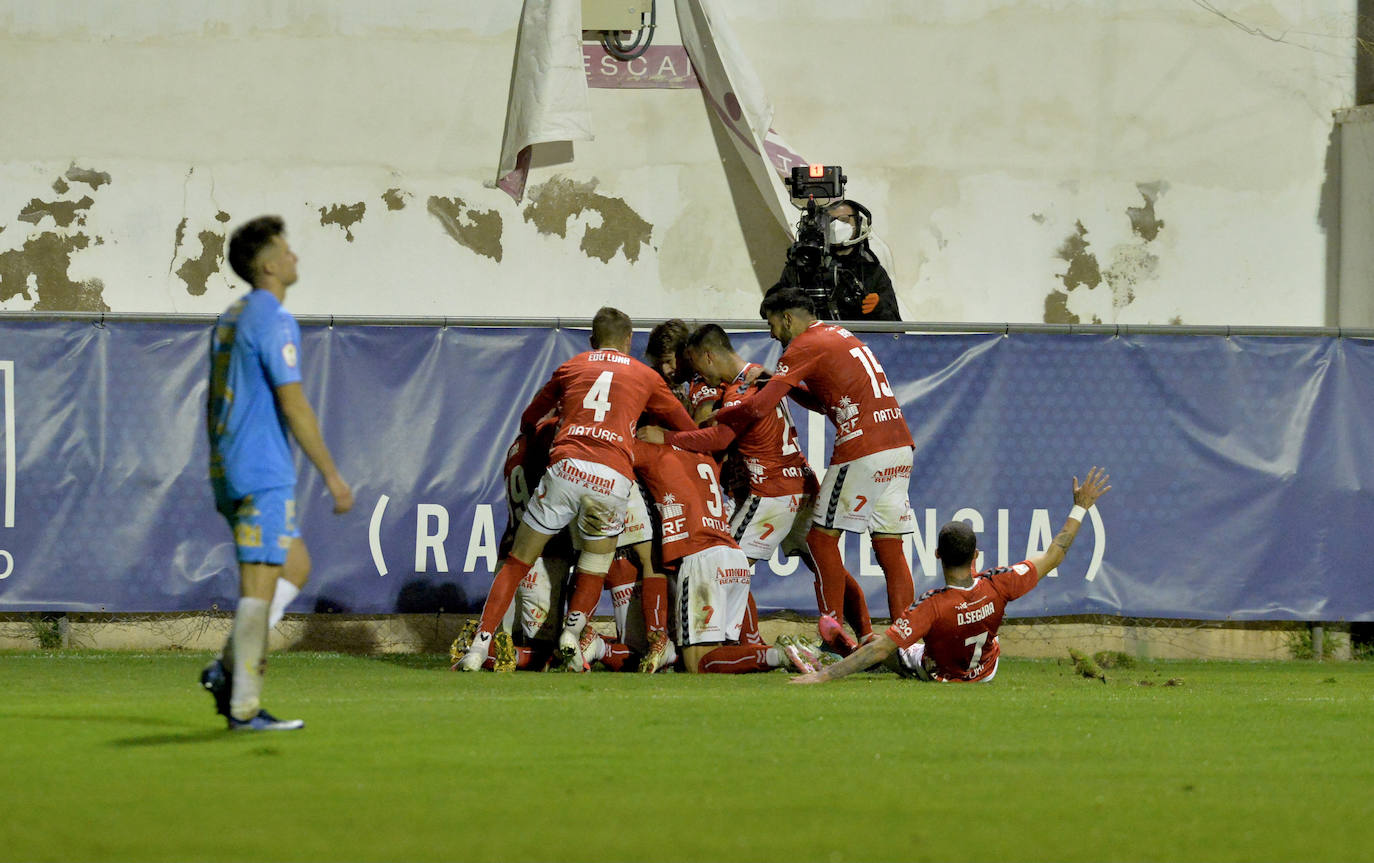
<point>598,398</point>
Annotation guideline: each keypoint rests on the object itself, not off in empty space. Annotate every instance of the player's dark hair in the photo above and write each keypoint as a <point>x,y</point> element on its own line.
<point>711,337</point>
<point>666,339</point>
<point>611,326</point>
<point>957,545</point>
<point>248,240</point>
<point>786,300</point>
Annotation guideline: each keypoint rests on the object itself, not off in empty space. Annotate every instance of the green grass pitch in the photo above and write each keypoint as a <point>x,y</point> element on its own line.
<point>118,756</point>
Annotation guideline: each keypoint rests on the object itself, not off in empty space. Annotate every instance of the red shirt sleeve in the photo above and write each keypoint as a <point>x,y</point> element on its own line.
<point>751,409</point>
<point>710,439</point>
<point>912,626</point>
<point>544,401</point>
<point>1014,581</point>
<point>664,405</point>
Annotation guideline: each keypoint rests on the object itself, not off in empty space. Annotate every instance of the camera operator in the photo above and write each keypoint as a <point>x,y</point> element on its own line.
<point>862,288</point>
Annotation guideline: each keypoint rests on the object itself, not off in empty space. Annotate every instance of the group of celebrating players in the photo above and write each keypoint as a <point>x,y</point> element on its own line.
<point>707,438</point>
<point>606,436</point>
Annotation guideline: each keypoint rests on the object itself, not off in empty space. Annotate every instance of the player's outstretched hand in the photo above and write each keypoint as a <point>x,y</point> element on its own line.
<point>343,495</point>
<point>813,677</point>
<point>1094,486</point>
<point>650,434</point>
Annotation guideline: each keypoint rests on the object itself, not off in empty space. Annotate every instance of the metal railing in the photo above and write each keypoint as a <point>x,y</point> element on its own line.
<point>1006,328</point>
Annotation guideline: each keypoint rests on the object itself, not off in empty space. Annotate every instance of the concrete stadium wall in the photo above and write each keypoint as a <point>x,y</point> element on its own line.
<point>431,633</point>
<point>1026,160</point>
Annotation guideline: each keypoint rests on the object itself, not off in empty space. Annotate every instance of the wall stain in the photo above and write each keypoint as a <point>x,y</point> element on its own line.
<point>1130,266</point>
<point>222,217</point>
<point>343,215</point>
<point>196,272</point>
<point>1143,221</point>
<point>556,202</point>
<point>63,213</point>
<point>1057,309</point>
<point>482,231</point>
<point>94,179</point>
<point>60,186</point>
<point>46,258</point>
<point>395,199</point>
<point>1083,268</point>
<point>176,244</point>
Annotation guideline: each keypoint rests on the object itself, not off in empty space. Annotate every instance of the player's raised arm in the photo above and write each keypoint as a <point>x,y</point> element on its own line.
<point>1084,496</point>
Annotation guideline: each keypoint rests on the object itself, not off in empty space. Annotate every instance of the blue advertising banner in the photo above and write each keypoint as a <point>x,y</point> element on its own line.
<point>1241,467</point>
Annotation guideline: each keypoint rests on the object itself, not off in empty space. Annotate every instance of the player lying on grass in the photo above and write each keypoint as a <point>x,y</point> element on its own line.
<point>959,621</point>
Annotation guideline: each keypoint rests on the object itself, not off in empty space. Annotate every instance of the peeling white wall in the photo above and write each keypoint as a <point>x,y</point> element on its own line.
<point>1188,139</point>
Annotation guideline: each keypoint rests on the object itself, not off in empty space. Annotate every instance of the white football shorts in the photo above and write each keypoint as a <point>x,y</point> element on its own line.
<point>710,595</point>
<point>762,524</point>
<point>557,501</point>
<point>868,494</point>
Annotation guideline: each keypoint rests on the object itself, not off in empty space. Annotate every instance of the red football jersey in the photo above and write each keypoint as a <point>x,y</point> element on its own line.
<point>526,461</point>
<point>685,487</point>
<point>769,448</point>
<point>600,395</point>
<point>960,624</point>
<point>844,374</point>
<point>699,392</point>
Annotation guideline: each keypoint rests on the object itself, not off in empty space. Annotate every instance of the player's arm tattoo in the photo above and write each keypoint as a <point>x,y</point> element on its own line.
<point>1065,538</point>
<point>868,655</point>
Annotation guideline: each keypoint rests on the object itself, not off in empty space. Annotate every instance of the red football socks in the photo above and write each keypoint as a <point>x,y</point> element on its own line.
<point>735,659</point>
<point>892,558</point>
<point>501,593</point>
<point>654,596</point>
<point>586,593</point>
<point>830,571</point>
<point>749,628</point>
<point>856,607</point>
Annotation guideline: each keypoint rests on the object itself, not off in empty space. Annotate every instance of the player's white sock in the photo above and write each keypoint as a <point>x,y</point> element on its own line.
<point>285,593</point>
<point>774,657</point>
<point>249,647</point>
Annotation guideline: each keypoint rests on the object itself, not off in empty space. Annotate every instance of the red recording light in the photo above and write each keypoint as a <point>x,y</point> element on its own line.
<point>817,171</point>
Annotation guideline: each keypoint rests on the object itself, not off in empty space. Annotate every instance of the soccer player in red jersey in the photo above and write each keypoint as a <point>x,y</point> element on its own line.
<point>711,589</point>
<point>599,396</point>
<point>538,590</point>
<point>826,369</point>
<point>959,621</point>
<point>778,506</point>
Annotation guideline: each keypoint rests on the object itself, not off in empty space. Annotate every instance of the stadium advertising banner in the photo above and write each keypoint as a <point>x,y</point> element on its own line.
<point>1240,467</point>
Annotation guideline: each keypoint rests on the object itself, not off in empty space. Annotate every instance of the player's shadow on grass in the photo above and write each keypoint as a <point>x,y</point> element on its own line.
<point>200,734</point>
<point>204,735</point>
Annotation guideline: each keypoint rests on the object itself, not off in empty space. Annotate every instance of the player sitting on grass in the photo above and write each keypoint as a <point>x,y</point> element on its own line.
<point>959,621</point>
